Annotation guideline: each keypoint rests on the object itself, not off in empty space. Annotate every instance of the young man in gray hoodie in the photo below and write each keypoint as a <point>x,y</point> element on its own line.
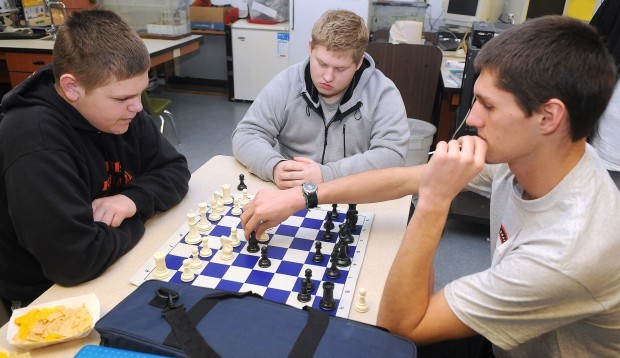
<point>330,116</point>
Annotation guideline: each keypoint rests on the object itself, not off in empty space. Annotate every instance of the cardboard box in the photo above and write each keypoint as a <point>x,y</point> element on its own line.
<point>212,18</point>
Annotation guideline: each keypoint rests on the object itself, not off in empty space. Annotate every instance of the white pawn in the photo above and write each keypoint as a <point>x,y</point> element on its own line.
<point>226,250</point>
<point>219,201</point>
<point>244,198</point>
<point>234,239</point>
<point>214,215</point>
<point>226,198</point>
<point>361,306</point>
<point>195,263</point>
<point>187,274</point>
<point>193,237</point>
<point>161,271</point>
<point>263,237</point>
<point>203,224</point>
<point>206,250</point>
<point>236,210</point>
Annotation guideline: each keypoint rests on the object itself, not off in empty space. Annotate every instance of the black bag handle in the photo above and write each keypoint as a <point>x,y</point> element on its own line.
<point>310,337</point>
<point>185,336</point>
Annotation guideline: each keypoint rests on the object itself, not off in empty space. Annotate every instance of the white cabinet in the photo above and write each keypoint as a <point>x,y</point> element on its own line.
<point>259,53</point>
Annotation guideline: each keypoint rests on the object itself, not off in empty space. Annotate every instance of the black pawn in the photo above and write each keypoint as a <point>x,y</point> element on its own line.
<point>327,302</point>
<point>334,213</point>
<point>241,185</point>
<point>328,226</point>
<point>333,271</point>
<point>318,255</point>
<point>303,296</point>
<point>253,243</point>
<point>309,280</point>
<point>344,234</point>
<point>351,216</point>
<point>264,261</point>
<point>343,258</point>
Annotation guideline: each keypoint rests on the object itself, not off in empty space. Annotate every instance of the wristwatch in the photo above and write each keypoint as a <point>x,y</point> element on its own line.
<point>309,189</point>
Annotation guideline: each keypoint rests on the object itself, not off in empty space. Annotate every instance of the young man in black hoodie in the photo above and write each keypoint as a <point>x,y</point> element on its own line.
<point>82,166</point>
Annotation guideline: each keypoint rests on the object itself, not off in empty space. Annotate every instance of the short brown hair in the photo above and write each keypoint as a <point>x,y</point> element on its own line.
<point>97,46</point>
<point>553,57</point>
<point>341,30</point>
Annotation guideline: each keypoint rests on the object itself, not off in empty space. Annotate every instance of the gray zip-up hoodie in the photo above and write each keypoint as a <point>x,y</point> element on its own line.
<point>369,130</point>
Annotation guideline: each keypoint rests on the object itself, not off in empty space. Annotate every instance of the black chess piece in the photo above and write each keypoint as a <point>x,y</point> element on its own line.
<point>328,226</point>
<point>308,273</point>
<point>334,213</point>
<point>352,216</point>
<point>344,234</point>
<point>241,185</point>
<point>318,255</point>
<point>253,243</point>
<point>333,271</point>
<point>343,256</point>
<point>304,296</point>
<point>327,302</point>
<point>264,261</point>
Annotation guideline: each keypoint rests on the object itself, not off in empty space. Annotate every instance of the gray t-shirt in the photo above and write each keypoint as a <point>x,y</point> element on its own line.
<point>553,288</point>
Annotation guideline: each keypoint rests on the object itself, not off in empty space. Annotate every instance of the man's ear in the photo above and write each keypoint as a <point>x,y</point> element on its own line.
<point>554,115</point>
<point>70,87</point>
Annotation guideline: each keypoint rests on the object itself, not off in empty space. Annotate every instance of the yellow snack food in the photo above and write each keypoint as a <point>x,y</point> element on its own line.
<point>51,324</point>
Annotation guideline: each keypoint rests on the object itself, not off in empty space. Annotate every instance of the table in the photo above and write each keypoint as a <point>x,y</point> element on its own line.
<point>113,285</point>
<point>25,56</point>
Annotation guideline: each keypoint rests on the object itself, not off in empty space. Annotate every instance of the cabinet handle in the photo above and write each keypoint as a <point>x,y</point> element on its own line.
<point>241,38</point>
<point>38,62</point>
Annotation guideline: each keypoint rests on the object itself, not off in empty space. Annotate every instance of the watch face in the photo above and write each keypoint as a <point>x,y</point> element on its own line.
<point>309,187</point>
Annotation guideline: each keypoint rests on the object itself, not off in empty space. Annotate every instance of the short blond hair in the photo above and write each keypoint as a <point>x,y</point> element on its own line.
<point>341,30</point>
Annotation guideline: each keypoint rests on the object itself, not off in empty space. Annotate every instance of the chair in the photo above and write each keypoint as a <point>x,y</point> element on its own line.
<point>416,72</point>
<point>157,107</point>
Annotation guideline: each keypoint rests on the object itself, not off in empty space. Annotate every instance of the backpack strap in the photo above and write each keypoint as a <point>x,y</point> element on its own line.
<point>310,337</point>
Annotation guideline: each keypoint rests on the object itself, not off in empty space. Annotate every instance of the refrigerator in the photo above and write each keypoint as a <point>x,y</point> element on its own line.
<point>304,13</point>
<point>259,53</point>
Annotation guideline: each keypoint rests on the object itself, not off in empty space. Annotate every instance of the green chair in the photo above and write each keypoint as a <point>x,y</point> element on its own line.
<point>157,107</point>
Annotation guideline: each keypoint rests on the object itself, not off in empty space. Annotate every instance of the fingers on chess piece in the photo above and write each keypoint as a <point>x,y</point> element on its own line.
<point>328,302</point>
<point>253,243</point>
<point>161,271</point>
<point>361,305</point>
<point>187,274</point>
<point>241,185</point>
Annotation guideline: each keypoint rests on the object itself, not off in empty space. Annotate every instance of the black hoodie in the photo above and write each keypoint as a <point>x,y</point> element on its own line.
<point>53,165</point>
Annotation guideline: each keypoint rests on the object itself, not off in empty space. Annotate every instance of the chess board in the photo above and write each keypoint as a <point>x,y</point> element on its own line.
<point>291,246</point>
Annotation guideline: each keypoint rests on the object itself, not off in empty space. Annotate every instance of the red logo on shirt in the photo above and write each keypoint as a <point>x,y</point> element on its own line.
<point>503,235</point>
<point>117,177</point>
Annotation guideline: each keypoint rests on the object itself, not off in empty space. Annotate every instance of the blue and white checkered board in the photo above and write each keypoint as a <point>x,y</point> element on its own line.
<point>290,249</point>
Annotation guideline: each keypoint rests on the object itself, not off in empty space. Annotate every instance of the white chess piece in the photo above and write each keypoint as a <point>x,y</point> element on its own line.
<point>206,250</point>
<point>195,263</point>
<point>244,198</point>
<point>234,239</point>
<point>361,306</point>
<point>226,197</point>
<point>193,237</point>
<point>161,271</point>
<point>226,250</point>
<point>214,215</point>
<point>204,224</point>
<point>263,237</point>
<point>236,210</point>
<point>187,274</point>
<point>219,201</point>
